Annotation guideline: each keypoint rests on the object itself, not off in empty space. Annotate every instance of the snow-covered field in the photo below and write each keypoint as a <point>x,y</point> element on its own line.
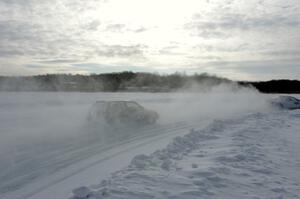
<point>239,147</point>
<point>256,156</point>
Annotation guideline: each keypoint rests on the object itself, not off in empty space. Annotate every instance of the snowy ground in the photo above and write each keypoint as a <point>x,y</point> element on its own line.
<point>256,156</point>
<point>46,150</point>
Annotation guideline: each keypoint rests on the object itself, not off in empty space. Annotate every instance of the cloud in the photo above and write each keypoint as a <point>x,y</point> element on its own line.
<point>207,57</point>
<point>9,68</point>
<point>116,27</point>
<point>170,50</point>
<point>285,66</point>
<point>59,33</point>
<point>122,28</point>
<point>4,52</point>
<point>284,53</point>
<point>93,25</point>
<point>228,24</point>
<point>106,68</point>
<point>59,61</point>
<point>259,69</point>
<point>121,50</point>
<point>34,68</point>
<point>21,2</point>
<point>11,30</point>
<point>222,48</point>
<point>139,29</point>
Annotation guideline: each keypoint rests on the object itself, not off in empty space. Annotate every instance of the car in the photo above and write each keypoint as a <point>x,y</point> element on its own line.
<point>286,102</point>
<point>121,113</point>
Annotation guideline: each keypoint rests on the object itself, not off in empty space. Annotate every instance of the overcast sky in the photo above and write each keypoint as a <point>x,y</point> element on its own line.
<point>237,39</point>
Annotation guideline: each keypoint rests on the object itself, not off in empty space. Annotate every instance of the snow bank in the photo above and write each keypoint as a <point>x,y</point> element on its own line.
<point>244,158</point>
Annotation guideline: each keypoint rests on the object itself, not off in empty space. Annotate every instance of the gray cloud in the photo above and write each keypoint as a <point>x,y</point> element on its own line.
<point>22,2</point>
<point>169,50</point>
<point>245,22</point>
<point>207,58</point>
<point>227,21</point>
<point>259,69</point>
<point>121,28</point>
<point>93,25</point>
<point>11,30</point>
<point>4,52</point>
<point>140,29</point>
<point>116,27</point>
<point>59,61</point>
<point>58,68</point>
<point>105,68</point>
<point>223,27</point>
<point>284,53</point>
<point>222,48</point>
<point>121,50</point>
<point>45,28</point>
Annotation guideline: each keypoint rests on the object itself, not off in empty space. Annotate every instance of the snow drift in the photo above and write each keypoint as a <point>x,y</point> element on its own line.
<point>242,158</point>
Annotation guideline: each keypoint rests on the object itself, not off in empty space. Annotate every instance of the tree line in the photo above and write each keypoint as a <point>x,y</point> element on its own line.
<point>108,82</point>
<point>275,86</point>
<point>132,81</point>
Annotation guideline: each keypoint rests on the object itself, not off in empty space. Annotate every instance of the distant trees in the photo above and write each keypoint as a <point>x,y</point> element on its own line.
<point>130,81</point>
<point>123,81</point>
<point>276,86</point>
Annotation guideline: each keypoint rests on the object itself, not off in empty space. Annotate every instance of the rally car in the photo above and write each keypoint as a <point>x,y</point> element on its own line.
<point>121,112</point>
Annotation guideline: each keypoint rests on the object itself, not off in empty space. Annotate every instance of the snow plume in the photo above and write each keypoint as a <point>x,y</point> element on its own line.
<point>223,101</point>
<point>38,127</point>
<point>30,117</point>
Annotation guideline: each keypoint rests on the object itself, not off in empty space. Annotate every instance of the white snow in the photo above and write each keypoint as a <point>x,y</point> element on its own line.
<point>251,157</point>
<point>224,146</point>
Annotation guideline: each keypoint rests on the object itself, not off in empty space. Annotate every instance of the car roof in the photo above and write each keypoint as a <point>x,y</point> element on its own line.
<point>107,102</point>
<point>116,101</point>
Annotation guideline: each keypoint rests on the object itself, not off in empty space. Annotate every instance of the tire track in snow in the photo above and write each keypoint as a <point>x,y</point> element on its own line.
<point>150,135</point>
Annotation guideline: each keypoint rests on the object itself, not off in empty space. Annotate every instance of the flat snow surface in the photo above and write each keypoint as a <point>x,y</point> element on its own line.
<point>237,148</point>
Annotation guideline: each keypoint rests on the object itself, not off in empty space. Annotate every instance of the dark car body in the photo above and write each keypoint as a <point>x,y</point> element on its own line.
<point>286,102</point>
<point>122,112</point>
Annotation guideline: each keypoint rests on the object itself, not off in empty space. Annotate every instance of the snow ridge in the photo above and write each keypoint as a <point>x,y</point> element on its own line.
<point>243,158</point>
